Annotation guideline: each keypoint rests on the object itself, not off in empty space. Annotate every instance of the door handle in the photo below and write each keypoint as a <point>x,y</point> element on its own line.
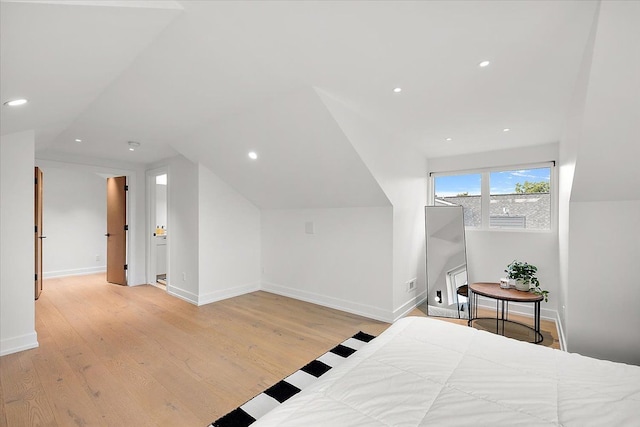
<point>107,234</point>
<point>42,237</point>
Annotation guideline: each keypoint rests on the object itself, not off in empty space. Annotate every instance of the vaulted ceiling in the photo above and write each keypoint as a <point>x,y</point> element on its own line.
<point>171,74</point>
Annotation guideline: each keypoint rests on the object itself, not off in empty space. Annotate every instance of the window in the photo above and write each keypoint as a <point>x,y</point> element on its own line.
<point>461,190</point>
<point>514,198</point>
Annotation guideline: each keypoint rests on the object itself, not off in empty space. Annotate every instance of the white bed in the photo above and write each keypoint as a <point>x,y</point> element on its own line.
<point>424,371</point>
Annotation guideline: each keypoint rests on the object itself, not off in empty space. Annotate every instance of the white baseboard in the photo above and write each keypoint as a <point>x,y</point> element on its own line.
<point>74,272</point>
<point>187,296</point>
<point>228,293</point>
<point>16,344</point>
<point>409,305</point>
<point>561,336</point>
<point>338,304</point>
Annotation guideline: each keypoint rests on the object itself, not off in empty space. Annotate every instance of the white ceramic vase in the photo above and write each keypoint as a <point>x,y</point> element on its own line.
<point>521,286</point>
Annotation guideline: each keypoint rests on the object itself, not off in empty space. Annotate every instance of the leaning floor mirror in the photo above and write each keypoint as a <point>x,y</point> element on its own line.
<point>447,287</point>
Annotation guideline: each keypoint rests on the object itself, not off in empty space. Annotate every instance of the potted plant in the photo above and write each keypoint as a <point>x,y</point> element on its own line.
<point>525,277</point>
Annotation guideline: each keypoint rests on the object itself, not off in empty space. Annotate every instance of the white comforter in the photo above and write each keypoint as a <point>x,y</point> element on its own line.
<point>423,372</point>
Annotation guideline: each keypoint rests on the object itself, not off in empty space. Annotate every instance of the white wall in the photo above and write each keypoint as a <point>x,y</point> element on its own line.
<point>490,251</point>
<point>401,173</point>
<point>604,318</point>
<point>567,153</point>
<point>229,243</point>
<point>352,167</point>
<point>74,221</point>
<point>602,313</point>
<point>409,245</point>
<point>346,264</point>
<point>17,314</point>
<point>612,106</point>
<point>137,227</point>
<point>183,236</point>
<point>213,235</point>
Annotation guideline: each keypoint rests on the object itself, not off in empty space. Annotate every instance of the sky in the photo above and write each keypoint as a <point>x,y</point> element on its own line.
<point>500,182</point>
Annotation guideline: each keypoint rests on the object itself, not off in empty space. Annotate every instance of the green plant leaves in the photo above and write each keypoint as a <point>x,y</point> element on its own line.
<point>527,273</point>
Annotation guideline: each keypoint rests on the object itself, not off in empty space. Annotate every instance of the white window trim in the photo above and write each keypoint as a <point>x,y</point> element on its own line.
<point>485,189</point>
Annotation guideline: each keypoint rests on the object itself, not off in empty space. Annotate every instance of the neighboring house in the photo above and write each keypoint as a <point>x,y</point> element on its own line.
<point>517,210</point>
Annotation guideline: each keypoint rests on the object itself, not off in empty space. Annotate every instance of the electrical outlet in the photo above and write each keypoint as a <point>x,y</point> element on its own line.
<point>97,257</point>
<point>184,276</point>
<point>411,285</point>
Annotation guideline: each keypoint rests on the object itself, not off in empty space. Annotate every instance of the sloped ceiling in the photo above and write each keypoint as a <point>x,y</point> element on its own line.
<point>63,55</point>
<point>304,158</point>
<point>607,156</point>
<point>108,75</point>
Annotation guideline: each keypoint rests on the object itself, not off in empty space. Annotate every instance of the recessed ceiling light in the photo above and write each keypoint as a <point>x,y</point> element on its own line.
<point>78,140</point>
<point>397,90</point>
<point>484,64</point>
<point>448,139</point>
<point>253,155</point>
<point>16,102</point>
<point>506,130</point>
<point>133,145</point>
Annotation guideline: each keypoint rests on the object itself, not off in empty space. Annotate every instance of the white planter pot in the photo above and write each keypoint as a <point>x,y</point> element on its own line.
<point>521,286</point>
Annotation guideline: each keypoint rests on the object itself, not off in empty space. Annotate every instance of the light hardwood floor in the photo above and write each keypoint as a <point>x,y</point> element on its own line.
<point>119,356</point>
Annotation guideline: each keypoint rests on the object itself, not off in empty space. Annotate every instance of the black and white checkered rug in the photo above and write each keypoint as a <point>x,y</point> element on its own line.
<point>248,413</point>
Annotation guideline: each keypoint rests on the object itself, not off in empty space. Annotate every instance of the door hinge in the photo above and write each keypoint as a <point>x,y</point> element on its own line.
<point>126,227</point>
<point>126,187</point>
<point>126,267</point>
<point>36,181</point>
<point>36,228</point>
<point>36,276</point>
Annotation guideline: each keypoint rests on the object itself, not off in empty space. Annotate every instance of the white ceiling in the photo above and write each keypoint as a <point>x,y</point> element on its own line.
<point>304,158</point>
<point>63,57</point>
<point>159,75</point>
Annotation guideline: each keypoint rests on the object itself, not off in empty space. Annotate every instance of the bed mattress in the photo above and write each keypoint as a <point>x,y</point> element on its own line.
<point>424,371</point>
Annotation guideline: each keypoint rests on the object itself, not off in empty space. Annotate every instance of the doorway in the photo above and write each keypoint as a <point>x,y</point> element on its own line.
<point>158,232</point>
<point>75,221</point>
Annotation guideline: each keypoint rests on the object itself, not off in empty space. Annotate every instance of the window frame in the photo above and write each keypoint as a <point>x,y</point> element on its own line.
<point>485,194</point>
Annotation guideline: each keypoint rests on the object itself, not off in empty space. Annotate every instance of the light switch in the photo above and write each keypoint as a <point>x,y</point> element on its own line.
<point>309,227</point>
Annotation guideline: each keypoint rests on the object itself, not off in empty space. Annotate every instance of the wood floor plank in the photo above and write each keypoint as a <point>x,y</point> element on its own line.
<point>65,336</point>
<point>150,396</point>
<point>68,400</point>
<point>26,401</point>
<point>114,403</point>
<point>115,355</point>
